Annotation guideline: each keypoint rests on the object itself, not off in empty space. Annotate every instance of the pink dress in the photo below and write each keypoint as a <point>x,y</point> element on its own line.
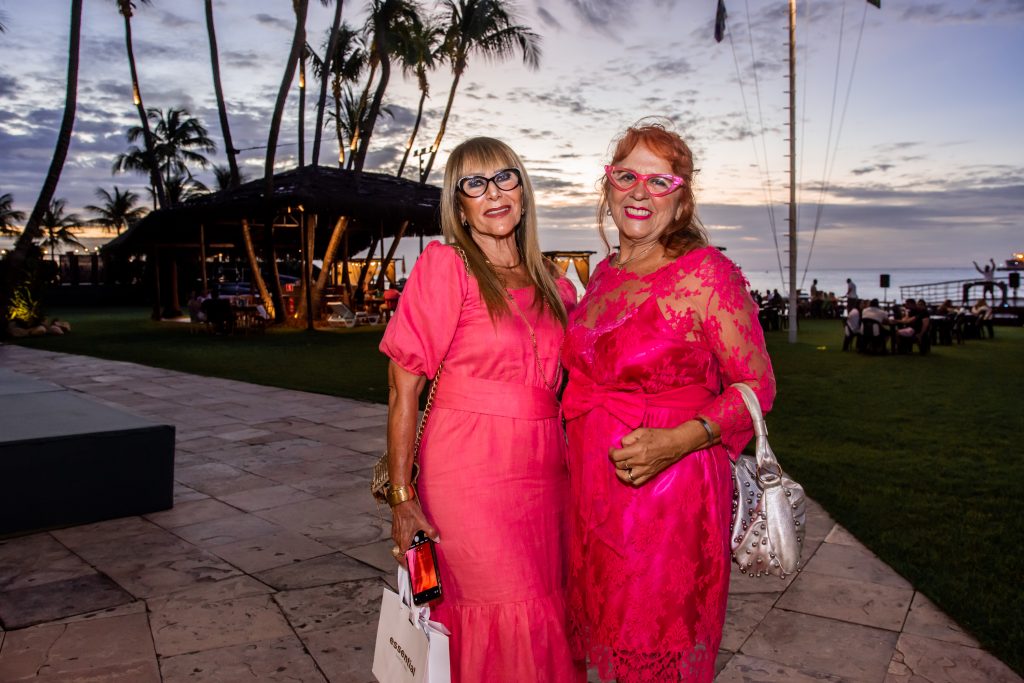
<point>493,476</point>
<point>649,566</point>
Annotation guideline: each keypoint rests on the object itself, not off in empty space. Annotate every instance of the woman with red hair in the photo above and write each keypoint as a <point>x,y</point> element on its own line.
<point>664,329</point>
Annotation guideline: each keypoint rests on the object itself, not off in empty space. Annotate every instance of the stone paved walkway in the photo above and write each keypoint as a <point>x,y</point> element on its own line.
<point>271,563</point>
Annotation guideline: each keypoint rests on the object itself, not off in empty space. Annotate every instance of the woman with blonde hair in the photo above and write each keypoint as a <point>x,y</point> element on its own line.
<point>483,316</point>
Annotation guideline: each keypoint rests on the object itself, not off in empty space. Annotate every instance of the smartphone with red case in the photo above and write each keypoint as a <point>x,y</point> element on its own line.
<point>422,560</point>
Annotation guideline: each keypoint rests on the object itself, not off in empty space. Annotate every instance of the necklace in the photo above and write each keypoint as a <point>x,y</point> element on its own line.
<point>533,342</point>
<point>533,335</point>
<point>515,265</point>
<point>633,257</point>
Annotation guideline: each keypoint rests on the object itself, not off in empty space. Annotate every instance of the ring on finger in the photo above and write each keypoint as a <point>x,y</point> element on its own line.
<point>629,473</point>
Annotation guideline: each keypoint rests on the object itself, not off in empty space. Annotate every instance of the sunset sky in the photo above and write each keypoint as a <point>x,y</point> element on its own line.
<point>929,168</point>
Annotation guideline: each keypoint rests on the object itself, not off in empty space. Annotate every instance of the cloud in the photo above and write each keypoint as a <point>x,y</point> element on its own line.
<point>171,20</point>
<point>241,59</point>
<point>8,86</point>
<point>871,169</point>
<point>549,18</point>
<point>274,22</point>
<point>599,13</point>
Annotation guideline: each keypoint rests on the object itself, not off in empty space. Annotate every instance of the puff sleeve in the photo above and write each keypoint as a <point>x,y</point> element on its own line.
<point>423,326</point>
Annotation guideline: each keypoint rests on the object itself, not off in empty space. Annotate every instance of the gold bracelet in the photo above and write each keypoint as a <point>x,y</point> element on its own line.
<point>399,494</point>
<point>707,428</point>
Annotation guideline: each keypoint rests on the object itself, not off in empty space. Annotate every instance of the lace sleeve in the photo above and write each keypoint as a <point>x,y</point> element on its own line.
<point>734,335</point>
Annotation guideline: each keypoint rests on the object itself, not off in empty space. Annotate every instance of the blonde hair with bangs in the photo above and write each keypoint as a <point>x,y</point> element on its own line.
<point>471,156</point>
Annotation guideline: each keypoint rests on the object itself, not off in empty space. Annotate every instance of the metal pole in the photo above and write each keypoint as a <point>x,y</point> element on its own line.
<point>793,297</point>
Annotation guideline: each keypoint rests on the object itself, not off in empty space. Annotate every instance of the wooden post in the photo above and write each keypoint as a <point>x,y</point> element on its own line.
<point>202,256</point>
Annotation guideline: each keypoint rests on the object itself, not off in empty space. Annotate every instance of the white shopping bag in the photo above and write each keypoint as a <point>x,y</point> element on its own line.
<point>410,648</point>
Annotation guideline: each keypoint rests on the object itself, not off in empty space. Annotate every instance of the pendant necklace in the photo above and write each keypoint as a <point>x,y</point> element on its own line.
<point>533,335</point>
<point>633,257</point>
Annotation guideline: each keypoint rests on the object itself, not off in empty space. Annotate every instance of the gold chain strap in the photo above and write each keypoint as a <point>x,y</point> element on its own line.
<point>426,413</point>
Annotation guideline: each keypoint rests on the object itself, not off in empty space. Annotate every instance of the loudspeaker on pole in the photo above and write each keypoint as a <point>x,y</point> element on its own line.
<point>883,280</point>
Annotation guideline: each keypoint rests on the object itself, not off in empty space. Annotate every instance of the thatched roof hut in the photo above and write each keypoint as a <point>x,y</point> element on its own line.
<point>373,202</point>
<point>311,198</point>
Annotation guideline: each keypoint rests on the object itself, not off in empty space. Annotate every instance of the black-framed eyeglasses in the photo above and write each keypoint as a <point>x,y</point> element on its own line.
<point>476,185</point>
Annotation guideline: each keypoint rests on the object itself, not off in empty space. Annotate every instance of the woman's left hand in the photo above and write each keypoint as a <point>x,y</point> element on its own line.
<point>645,453</point>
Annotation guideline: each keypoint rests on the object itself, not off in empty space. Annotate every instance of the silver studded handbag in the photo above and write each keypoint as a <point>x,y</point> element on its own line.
<point>769,510</point>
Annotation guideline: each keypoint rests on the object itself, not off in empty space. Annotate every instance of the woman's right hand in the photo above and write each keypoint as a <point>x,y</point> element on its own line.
<point>406,519</point>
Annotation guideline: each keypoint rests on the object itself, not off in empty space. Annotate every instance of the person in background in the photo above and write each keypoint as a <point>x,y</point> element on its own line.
<point>983,314</point>
<point>195,308</point>
<point>851,295</point>
<point>390,305</point>
<point>874,312</point>
<point>664,329</point>
<point>493,484</point>
<point>988,277</point>
<point>851,328</point>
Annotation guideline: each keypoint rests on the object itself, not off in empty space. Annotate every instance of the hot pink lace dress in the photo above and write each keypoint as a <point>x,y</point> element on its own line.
<point>649,566</point>
<point>493,476</point>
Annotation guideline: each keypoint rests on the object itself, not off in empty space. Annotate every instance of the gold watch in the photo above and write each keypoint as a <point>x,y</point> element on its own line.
<point>400,494</point>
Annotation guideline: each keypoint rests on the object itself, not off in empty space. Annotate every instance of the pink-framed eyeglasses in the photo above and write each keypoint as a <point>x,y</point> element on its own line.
<point>657,184</point>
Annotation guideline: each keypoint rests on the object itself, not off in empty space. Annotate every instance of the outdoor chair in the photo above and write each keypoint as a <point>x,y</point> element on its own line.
<point>923,339</point>
<point>872,337</point>
<point>851,337</point>
<point>340,314</point>
<point>956,330</point>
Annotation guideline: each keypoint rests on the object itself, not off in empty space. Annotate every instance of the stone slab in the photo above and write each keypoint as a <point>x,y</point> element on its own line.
<point>281,660</point>
<point>824,646</point>
<point>112,650</point>
<point>58,599</point>
<point>319,571</point>
<point>856,602</point>
<point>195,627</point>
<point>924,660</point>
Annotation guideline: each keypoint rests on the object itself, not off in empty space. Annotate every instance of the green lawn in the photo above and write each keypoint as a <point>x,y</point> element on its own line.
<point>916,455</point>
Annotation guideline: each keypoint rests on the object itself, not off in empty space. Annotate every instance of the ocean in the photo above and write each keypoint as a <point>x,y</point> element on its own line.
<point>866,279</point>
<point>834,280</point>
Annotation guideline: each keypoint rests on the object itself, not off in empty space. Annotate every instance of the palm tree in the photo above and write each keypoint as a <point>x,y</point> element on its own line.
<point>118,211</point>
<point>225,179</point>
<point>422,53</point>
<point>388,23</point>
<point>183,187</point>
<point>348,60</point>
<point>8,215</point>
<point>229,148</point>
<point>127,9</point>
<point>32,231</point>
<point>298,44</point>
<point>179,140</point>
<point>487,28</point>
<point>59,227</point>
<point>328,62</point>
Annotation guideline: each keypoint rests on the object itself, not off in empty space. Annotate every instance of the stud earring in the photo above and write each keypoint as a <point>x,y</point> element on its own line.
<point>608,212</point>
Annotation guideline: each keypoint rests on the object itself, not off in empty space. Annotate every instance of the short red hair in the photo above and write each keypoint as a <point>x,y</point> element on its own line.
<point>686,232</point>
